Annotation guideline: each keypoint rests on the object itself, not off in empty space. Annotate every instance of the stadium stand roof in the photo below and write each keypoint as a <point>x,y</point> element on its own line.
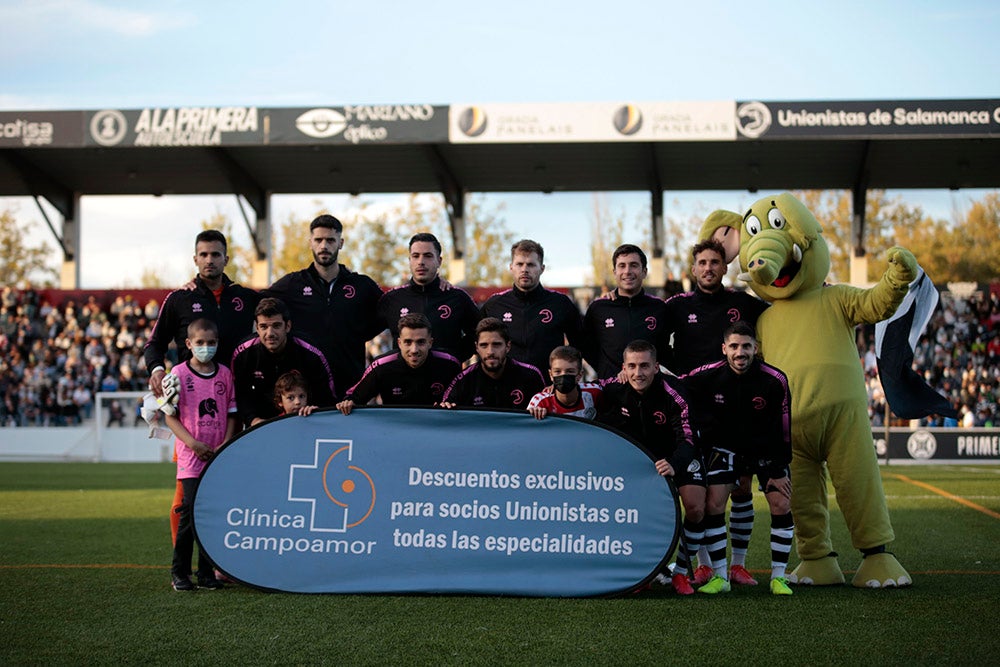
<point>659,146</point>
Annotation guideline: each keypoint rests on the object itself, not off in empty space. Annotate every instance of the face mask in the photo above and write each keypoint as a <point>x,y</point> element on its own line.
<point>564,383</point>
<point>204,353</point>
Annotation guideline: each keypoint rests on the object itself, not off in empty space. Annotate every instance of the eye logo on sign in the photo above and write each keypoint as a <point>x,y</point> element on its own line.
<point>108,127</point>
<point>628,119</point>
<point>321,123</point>
<point>753,119</point>
<point>472,122</point>
<point>341,495</point>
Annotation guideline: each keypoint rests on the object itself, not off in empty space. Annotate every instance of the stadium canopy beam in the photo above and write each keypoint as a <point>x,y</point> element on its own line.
<point>259,230</point>
<point>859,195</point>
<point>40,184</point>
<point>246,188</point>
<point>241,181</point>
<point>454,199</point>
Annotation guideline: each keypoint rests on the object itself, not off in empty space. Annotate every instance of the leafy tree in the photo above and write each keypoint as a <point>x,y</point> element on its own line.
<point>974,243</point>
<point>488,242</point>
<point>241,258</point>
<point>924,237</point>
<point>967,249</point>
<point>21,263</point>
<point>377,237</point>
<point>290,243</point>
<point>883,214</point>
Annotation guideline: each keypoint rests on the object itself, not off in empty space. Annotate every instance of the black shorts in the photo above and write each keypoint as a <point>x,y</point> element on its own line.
<point>726,467</point>
<point>694,474</point>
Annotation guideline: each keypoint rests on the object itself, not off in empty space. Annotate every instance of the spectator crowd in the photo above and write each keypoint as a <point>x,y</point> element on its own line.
<point>54,357</point>
<point>958,355</point>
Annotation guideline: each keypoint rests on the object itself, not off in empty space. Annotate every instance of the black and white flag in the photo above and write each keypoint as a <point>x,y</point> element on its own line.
<point>895,341</point>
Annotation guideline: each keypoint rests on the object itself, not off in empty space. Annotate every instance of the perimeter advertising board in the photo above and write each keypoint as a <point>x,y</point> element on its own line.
<point>397,500</point>
<point>174,126</point>
<point>937,445</point>
<point>869,119</point>
<point>575,122</point>
<point>40,129</point>
<point>359,124</point>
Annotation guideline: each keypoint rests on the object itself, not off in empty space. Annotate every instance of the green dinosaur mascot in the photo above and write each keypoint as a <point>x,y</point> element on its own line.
<point>808,332</point>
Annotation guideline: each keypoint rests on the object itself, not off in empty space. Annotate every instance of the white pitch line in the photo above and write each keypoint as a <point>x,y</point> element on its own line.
<point>935,496</point>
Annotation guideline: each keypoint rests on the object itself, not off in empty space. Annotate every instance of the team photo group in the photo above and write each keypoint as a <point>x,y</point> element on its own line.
<point>727,391</point>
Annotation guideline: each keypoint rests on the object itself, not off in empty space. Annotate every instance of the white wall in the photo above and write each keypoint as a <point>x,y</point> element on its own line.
<point>91,442</point>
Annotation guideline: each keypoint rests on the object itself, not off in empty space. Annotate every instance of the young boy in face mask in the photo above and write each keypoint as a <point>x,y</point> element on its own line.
<point>567,395</point>
<point>205,418</point>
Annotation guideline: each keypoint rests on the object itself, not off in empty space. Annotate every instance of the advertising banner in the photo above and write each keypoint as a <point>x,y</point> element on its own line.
<point>40,129</point>
<point>868,120</point>
<point>939,445</point>
<point>576,122</point>
<point>174,126</point>
<point>408,500</point>
<point>372,124</point>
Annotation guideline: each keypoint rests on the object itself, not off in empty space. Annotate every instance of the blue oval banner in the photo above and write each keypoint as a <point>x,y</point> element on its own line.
<point>406,500</point>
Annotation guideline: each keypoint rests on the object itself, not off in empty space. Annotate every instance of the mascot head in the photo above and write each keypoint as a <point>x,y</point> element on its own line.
<point>779,245</point>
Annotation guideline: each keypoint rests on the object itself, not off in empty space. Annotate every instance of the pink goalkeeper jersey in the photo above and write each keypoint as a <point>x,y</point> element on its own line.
<point>204,404</point>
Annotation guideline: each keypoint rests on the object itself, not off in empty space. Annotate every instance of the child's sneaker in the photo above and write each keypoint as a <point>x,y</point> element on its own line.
<point>182,583</point>
<point>209,583</point>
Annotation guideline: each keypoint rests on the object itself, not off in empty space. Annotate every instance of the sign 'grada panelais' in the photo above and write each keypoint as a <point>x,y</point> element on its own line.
<point>808,332</point>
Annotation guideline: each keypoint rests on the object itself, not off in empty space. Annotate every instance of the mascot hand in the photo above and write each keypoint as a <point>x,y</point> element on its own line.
<point>902,268</point>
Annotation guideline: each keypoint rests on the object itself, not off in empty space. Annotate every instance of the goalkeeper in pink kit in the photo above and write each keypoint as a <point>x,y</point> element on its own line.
<point>205,418</point>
